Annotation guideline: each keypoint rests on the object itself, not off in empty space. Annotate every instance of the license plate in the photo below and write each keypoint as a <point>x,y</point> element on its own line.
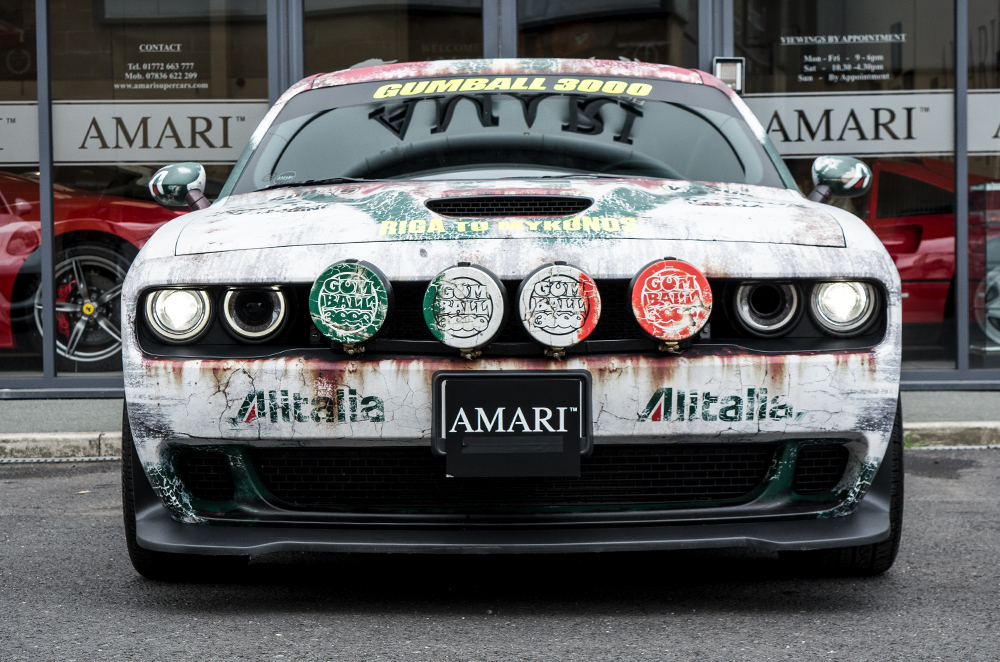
<point>512,423</point>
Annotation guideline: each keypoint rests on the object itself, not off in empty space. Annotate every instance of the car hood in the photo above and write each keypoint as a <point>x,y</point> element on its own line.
<point>398,211</point>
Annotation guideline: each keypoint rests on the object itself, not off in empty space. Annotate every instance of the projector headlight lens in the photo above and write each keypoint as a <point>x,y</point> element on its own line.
<point>767,309</point>
<point>254,315</point>
<point>843,308</point>
<point>178,316</point>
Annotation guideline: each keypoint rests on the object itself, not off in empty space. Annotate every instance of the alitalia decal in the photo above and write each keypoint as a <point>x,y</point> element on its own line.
<point>669,405</point>
<point>581,224</point>
<point>281,406</point>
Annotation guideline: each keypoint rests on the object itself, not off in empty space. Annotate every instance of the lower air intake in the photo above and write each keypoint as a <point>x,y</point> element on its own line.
<point>413,477</point>
<point>819,468</point>
<point>205,474</point>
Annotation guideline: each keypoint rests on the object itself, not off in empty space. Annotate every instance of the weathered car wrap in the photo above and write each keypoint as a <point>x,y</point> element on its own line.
<point>320,397</point>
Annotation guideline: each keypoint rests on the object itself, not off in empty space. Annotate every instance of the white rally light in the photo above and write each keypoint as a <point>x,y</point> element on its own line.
<point>178,315</point>
<point>465,307</point>
<point>559,305</point>
<point>843,307</point>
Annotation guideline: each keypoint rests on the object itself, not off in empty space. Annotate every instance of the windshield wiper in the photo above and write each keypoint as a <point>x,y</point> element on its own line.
<point>318,182</point>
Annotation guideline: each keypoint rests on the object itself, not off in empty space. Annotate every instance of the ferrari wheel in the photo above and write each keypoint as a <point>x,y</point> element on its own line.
<point>987,306</point>
<point>88,285</point>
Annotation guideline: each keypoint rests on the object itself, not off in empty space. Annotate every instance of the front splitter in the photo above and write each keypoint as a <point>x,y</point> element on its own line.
<point>869,523</point>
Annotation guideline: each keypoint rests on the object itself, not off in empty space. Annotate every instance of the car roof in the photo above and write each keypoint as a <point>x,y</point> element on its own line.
<point>510,67</point>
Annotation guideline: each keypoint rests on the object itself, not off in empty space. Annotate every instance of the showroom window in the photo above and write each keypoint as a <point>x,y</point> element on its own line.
<point>136,85</point>
<point>984,184</point>
<point>341,33</point>
<point>874,80</point>
<point>130,85</point>
<point>20,227</point>
<point>646,30</point>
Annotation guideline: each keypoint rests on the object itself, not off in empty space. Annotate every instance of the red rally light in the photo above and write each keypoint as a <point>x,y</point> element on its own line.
<point>671,300</point>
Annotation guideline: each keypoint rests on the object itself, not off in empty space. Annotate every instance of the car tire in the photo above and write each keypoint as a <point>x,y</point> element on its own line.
<point>165,566</point>
<point>862,560</point>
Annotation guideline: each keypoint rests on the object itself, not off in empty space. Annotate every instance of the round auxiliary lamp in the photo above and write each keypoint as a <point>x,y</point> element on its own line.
<point>671,301</point>
<point>465,307</point>
<point>349,302</point>
<point>559,306</point>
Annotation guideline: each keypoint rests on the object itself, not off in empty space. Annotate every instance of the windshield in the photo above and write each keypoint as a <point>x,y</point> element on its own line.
<point>491,128</point>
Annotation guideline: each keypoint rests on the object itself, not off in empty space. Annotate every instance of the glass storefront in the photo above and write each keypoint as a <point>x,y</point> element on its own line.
<point>20,225</point>
<point>873,80</point>
<point>646,30</point>
<point>984,184</point>
<point>341,33</point>
<point>136,84</point>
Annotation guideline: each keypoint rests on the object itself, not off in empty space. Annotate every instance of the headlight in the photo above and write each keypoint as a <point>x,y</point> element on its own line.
<point>767,309</point>
<point>843,308</point>
<point>178,316</point>
<point>254,315</point>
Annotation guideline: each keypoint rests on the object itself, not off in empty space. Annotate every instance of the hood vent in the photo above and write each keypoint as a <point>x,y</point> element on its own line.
<point>509,205</point>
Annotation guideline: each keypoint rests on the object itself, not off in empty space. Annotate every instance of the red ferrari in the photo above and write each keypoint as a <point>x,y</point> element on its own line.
<point>97,237</point>
<point>911,208</point>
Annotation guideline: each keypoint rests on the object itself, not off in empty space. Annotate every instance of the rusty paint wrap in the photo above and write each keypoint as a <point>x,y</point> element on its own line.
<point>318,397</point>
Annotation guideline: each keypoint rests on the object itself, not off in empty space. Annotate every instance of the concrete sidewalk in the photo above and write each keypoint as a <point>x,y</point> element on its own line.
<point>92,428</point>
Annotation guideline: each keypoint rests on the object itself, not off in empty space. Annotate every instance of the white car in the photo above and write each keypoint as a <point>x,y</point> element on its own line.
<point>511,306</point>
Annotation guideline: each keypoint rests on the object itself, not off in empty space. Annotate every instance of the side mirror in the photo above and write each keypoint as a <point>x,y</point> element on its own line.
<point>180,185</point>
<point>839,177</point>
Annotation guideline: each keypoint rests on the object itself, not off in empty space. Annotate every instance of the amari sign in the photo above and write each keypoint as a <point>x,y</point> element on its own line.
<point>91,132</point>
<point>875,123</point>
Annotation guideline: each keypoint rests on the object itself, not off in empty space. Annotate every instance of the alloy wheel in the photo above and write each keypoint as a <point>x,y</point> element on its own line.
<point>88,307</point>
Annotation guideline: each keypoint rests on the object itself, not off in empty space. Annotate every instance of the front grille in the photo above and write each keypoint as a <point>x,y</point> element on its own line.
<point>407,319</point>
<point>206,474</point>
<point>408,478</point>
<point>819,468</point>
<point>505,206</point>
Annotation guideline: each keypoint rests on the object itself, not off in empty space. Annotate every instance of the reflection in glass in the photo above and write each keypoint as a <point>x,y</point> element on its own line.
<point>20,353</point>
<point>136,84</point>
<point>871,80</point>
<point>645,30</point>
<point>984,185</point>
<point>342,33</point>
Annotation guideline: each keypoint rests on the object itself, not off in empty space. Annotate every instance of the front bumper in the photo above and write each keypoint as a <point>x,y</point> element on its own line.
<point>156,529</point>
<point>705,396</point>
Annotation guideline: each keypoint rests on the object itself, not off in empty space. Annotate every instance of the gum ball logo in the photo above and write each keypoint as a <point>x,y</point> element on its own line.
<point>463,307</point>
<point>349,302</point>
<point>559,305</point>
<point>671,300</point>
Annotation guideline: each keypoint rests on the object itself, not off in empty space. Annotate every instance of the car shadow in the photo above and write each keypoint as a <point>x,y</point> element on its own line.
<point>726,580</point>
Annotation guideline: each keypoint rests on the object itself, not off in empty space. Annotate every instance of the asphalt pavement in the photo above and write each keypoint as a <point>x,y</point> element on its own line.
<point>67,591</point>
